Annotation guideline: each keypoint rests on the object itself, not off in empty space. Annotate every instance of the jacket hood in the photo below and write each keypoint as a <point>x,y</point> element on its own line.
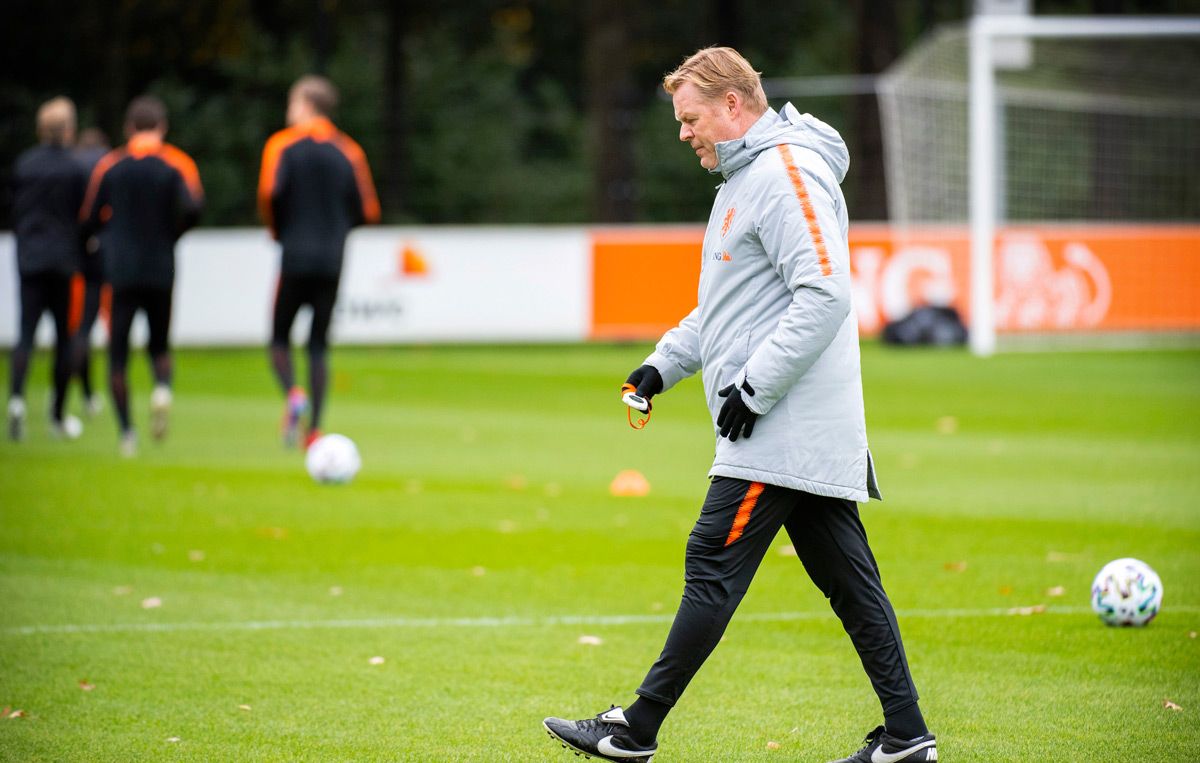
<point>786,126</point>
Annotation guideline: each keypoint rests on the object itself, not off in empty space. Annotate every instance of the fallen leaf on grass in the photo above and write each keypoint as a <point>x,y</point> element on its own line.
<point>773,745</point>
<point>1036,609</point>
<point>173,740</point>
<point>591,640</point>
<point>195,555</point>
<point>947,425</point>
<point>478,571</point>
<point>152,602</point>
<point>244,707</point>
<point>123,590</point>
<point>335,590</point>
<point>954,566</point>
<point>1005,590</point>
<point>516,482</point>
<point>1056,591</point>
<point>1192,634</point>
<point>83,684</point>
<point>1060,556</point>
<point>8,713</point>
<point>375,661</point>
<point>788,550</point>
<point>272,533</point>
<point>1169,705</point>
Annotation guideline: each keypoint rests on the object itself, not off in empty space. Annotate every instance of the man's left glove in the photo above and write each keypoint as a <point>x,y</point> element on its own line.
<point>735,419</point>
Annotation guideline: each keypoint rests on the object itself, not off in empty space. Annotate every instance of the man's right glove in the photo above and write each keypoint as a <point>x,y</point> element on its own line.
<point>646,380</point>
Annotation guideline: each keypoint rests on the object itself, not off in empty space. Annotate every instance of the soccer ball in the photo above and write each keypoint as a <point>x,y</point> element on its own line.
<point>1127,592</point>
<point>332,459</point>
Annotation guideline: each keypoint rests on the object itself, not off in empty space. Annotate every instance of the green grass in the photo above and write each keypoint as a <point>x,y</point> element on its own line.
<point>482,518</point>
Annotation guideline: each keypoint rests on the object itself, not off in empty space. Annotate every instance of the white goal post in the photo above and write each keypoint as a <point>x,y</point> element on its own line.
<point>984,32</point>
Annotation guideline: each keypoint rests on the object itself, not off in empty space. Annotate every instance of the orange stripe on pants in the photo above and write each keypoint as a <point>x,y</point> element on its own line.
<point>743,513</point>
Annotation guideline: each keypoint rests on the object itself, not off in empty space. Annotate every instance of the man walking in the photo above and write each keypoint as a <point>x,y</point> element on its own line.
<point>91,148</point>
<point>777,339</point>
<point>49,186</point>
<point>314,187</point>
<point>142,197</point>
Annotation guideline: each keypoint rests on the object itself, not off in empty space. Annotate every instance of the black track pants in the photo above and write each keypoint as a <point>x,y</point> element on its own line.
<point>738,523</point>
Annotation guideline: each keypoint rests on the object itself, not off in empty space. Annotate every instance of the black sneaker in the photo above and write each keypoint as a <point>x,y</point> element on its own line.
<point>882,747</point>
<point>602,737</point>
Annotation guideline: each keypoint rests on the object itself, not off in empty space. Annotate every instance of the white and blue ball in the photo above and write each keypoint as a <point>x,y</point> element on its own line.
<point>332,459</point>
<point>1127,592</point>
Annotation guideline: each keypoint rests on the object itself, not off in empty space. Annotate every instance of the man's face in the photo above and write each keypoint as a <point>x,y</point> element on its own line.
<point>704,123</point>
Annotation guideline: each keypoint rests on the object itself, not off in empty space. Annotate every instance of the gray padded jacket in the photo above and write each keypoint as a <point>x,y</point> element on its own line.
<point>774,310</point>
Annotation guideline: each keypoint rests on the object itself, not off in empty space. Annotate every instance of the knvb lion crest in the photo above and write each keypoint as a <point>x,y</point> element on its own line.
<point>728,221</point>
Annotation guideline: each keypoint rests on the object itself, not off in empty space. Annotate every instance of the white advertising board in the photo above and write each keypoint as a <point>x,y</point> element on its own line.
<point>510,284</point>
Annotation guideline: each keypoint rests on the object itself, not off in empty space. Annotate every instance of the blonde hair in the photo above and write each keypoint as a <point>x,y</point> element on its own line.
<point>320,93</point>
<point>56,120</point>
<point>715,71</point>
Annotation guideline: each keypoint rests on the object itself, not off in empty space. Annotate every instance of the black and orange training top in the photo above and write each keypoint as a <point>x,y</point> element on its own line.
<point>142,197</point>
<point>314,187</point>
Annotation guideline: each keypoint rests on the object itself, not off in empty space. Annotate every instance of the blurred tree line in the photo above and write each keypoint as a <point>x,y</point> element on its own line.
<point>476,111</point>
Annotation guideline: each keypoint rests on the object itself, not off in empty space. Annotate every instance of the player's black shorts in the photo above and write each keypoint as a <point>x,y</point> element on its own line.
<point>318,292</point>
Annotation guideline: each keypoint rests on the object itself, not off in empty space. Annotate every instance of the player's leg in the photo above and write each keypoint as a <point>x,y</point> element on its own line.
<point>157,305</point>
<point>832,545</point>
<point>124,306</point>
<point>58,300</point>
<point>288,299</point>
<point>33,304</point>
<point>737,524</point>
<point>81,344</point>
<point>323,296</point>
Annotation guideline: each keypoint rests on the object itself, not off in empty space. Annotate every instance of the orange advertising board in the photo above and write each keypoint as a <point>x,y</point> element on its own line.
<point>1049,278</point>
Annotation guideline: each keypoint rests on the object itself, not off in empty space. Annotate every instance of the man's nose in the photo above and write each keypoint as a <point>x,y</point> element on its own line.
<point>685,133</point>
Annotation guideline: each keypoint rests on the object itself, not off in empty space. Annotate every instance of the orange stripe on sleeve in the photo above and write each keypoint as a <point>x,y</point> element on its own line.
<point>743,513</point>
<point>184,165</point>
<point>104,165</point>
<point>362,175</point>
<point>272,153</point>
<point>810,216</point>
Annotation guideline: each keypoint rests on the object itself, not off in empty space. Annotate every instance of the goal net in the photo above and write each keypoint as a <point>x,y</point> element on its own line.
<point>1061,176</point>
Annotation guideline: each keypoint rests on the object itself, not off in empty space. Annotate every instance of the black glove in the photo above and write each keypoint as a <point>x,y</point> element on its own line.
<point>647,381</point>
<point>735,419</point>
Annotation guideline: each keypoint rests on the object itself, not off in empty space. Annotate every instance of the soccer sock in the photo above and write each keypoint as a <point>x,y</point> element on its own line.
<point>83,365</point>
<point>281,362</point>
<point>18,368</point>
<point>318,379</point>
<point>61,376</point>
<point>907,723</point>
<point>645,717</point>
<point>120,395</point>
<point>163,369</point>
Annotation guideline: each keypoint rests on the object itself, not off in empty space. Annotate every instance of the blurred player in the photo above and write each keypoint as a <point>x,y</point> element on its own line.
<point>314,187</point>
<point>49,186</point>
<point>91,148</point>
<point>141,198</point>
<point>776,336</point>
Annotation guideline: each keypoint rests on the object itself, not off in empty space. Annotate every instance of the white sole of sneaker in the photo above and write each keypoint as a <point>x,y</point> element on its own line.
<point>568,746</point>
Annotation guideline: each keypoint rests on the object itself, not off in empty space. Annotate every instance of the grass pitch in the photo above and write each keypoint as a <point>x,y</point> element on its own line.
<point>208,602</point>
